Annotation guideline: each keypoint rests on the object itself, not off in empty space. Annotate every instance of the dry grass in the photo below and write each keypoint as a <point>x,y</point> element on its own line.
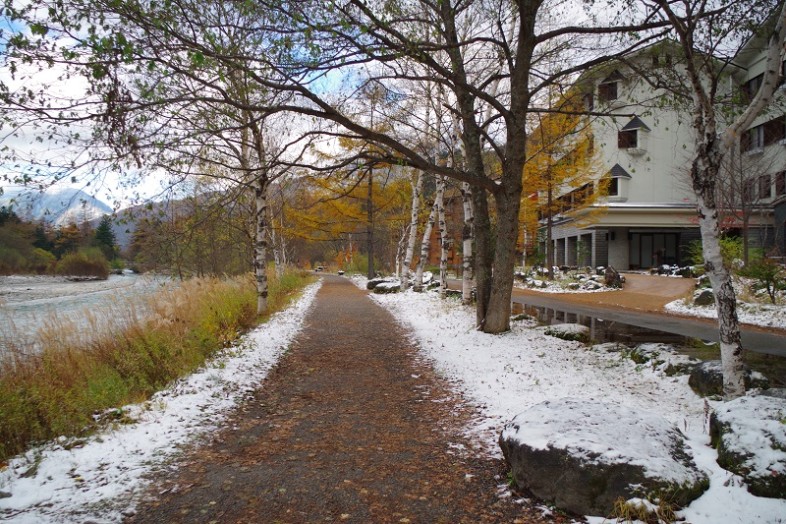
<point>124,354</point>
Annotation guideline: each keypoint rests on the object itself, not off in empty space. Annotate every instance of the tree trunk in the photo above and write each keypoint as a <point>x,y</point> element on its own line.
<point>498,314</point>
<point>484,256</point>
<point>417,189</point>
<point>260,244</point>
<point>443,236</point>
<point>466,239</point>
<point>549,227</point>
<point>704,174</point>
<point>424,248</point>
<point>370,225</point>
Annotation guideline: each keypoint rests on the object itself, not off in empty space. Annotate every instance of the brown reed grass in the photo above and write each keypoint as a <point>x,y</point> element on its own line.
<point>122,354</point>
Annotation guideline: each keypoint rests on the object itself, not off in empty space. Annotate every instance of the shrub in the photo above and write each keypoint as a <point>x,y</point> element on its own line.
<point>766,274</point>
<point>87,262</point>
<point>41,261</point>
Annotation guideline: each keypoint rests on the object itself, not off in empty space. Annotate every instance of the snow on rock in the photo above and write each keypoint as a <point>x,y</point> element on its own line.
<point>389,286</point>
<point>569,452</point>
<point>97,479</point>
<point>750,434</point>
<point>578,332</point>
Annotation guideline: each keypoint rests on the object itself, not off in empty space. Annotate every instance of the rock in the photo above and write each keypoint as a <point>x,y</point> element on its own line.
<point>704,297</point>
<point>5,495</point>
<point>387,287</point>
<point>577,332</point>
<point>611,347</point>
<point>583,455</point>
<point>374,282</point>
<point>574,286</point>
<point>750,436</point>
<point>613,278</point>
<point>706,379</point>
<point>591,286</point>
<point>340,272</point>
<point>663,358</point>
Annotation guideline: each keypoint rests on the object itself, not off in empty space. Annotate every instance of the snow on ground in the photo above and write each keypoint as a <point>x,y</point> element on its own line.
<point>507,373</point>
<point>766,315</point>
<point>97,481</point>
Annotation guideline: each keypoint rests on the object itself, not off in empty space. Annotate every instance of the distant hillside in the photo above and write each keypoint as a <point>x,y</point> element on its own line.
<point>57,206</point>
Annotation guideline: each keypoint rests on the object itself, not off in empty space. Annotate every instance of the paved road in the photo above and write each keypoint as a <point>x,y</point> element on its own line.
<point>641,304</point>
<point>351,426</point>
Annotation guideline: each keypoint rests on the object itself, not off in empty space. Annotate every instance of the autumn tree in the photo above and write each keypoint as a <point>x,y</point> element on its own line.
<point>561,167</point>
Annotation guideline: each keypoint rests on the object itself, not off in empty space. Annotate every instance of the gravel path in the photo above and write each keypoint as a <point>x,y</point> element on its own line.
<point>351,426</point>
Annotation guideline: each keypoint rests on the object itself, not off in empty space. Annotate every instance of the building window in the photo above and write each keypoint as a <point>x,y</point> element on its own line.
<point>764,134</point>
<point>780,183</point>
<point>607,91</point>
<point>628,139</point>
<point>614,187</point>
<point>764,186</point>
<point>751,87</point>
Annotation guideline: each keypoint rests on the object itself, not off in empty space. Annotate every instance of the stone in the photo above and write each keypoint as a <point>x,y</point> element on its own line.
<point>374,282</point>
<point>583,455</point>
<point>704,297</point>
<point>387,287</point>
<point>706,379</point>
<point>574,286</point>
<point>613,278</point>
<point>664,358</point>
<point>576,332</point>
<point>750,436</point>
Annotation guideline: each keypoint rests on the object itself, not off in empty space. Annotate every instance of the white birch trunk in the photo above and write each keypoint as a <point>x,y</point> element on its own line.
<point>417,189</point>
<point>705,172</point>
<point>424,248</point>
<point>443,236</point>
<point>467,235</point>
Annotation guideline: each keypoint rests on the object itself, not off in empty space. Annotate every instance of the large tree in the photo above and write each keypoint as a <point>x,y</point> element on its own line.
<point>486,54</point>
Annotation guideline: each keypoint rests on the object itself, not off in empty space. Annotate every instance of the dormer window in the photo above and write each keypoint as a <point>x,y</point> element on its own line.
<point>615,179</point>
<point>608,89</point>
<point>630,137</point>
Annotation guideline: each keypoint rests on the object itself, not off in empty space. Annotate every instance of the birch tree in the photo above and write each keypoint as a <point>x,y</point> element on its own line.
<point>704,30</point>
<point>414,220</point>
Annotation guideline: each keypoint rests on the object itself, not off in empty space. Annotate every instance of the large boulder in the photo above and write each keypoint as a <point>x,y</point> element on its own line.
<point>706,379</point>
<point>583,455</point>
<point>389,286</point>
<point>750,435</point>
<point>374,282</point>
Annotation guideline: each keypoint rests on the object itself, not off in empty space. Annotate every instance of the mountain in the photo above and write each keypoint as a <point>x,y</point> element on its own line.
<point>57,206</point>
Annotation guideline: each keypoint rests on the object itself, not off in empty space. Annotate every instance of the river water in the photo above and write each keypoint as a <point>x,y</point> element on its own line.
<point>30,303</point>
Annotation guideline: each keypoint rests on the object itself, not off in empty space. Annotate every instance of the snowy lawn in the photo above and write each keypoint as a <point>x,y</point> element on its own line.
<point>505,374</point>
<point>766,315</point>
<point>96,479</point>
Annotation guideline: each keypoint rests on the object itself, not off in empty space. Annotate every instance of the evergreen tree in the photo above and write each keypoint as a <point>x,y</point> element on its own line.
<point>104,238</point>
